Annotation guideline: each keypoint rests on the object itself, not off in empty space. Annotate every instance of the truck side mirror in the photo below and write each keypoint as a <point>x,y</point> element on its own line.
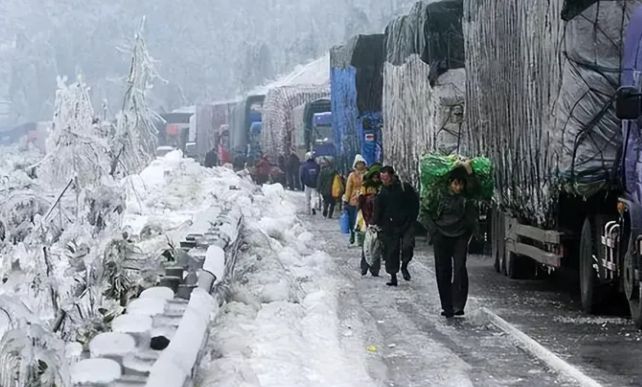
<point>628,103</point>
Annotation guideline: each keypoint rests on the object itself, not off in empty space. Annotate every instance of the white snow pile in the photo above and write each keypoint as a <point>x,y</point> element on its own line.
<point>68,269</point>
<point>281,327</point>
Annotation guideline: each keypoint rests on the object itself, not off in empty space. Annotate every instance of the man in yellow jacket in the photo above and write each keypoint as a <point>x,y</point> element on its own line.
<point>353,189</point>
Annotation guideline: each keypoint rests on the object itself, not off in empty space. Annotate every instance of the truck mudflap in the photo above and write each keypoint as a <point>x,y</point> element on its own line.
<point>547,250</point>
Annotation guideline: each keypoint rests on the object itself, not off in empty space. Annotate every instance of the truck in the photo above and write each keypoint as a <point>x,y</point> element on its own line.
<point>243,142</point>
<point>313,129</point>
<point>356,79</point>
<point>560,121</point>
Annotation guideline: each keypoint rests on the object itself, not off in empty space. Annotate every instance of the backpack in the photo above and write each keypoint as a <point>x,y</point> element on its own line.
<point>338,187</point>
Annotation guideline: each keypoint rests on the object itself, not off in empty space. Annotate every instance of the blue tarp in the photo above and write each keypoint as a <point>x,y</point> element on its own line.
<point>345,115</point>
<point>355,132</point>
<point>369,129</point>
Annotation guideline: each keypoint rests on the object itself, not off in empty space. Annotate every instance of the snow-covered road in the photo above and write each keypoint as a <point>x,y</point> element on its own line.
<point>300,314</point>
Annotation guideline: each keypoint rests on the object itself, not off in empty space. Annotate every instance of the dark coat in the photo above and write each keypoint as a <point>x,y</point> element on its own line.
<point>293,164</point>
<point>211,159</point>
<point>396,208</point>
<point>309,173</point>
<point>326,178</point>
<point>456,215</point>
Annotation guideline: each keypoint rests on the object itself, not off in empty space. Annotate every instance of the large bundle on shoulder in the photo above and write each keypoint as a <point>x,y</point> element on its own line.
<point>424,84</point>
<point>436,170</point>
<point>541,80</point>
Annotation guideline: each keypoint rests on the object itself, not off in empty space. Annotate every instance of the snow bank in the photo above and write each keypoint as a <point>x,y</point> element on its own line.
<point>98,371</point>
<point>281,326</point>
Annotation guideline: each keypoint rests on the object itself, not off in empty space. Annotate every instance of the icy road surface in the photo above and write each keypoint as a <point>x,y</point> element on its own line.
<point>301,314</point>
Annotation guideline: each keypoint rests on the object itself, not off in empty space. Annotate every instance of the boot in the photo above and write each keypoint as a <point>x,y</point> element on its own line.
<point>447,314</point>
<point>405,272</point>
<point>393,280</point>
<point>352,237</point>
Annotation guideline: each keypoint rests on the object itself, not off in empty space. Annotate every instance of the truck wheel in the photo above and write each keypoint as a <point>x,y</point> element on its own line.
<point>519,267</point>
<point>589,282</point>
<point>632,287</point>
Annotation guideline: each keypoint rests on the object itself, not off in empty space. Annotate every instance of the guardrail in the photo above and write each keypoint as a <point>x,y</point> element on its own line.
<point>174,318</point>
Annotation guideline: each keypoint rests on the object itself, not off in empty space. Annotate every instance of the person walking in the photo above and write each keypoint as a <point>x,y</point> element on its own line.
<point>451,230</point>
<point>367,197</point>
<point>309,175</point>
<point>395,212</point>
<point>263,169</point>
<point>353,188</point>
<point>325,186</point>
<point>211,158</point>
<point>292,172</point>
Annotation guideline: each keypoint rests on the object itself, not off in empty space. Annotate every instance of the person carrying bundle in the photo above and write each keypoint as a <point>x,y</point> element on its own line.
<point>451,229</point>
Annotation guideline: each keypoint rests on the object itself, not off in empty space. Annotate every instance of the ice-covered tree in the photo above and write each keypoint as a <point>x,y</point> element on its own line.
<point>75,149</point>
<point>135,138</point>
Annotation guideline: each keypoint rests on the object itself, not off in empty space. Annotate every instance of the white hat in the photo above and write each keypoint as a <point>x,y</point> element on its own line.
<point>358,159</point>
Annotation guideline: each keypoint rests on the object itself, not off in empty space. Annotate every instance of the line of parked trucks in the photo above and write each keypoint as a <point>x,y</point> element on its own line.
<point>550,90</point>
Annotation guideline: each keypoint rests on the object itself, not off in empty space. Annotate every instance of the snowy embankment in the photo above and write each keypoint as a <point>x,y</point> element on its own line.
<point>281,325</point>
<point>101,249</point>
<point>201,210</point>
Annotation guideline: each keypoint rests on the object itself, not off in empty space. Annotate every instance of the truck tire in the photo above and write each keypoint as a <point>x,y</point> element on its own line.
<point>631,286</point>
<point>518,266</point>
<point>590,290</point>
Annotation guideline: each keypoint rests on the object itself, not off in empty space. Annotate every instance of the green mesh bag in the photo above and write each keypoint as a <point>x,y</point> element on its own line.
<point>434,171</point>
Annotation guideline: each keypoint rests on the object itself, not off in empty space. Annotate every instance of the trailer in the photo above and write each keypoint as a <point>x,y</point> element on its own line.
<point>356,78</point>
<point>423,85</point>
<point>540,104</point>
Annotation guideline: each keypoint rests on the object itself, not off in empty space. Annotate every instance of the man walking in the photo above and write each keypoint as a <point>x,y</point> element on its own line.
<point>324,185</point>
<point>309,177</point>
<point>395,213</point>
<point>292,172</point>
<point>451,230</point>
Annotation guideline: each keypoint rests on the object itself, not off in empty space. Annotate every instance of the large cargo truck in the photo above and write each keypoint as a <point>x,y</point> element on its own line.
<point>542,80</point>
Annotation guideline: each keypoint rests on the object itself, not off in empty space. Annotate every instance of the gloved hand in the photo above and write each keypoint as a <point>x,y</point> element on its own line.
<point>374,227</point>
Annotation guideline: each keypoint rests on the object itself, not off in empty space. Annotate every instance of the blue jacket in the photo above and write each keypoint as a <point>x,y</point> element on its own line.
<point>309,173</point>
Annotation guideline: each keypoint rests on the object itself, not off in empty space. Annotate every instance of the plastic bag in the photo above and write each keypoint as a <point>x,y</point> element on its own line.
<point>344,222</point>
<point>372,249</point>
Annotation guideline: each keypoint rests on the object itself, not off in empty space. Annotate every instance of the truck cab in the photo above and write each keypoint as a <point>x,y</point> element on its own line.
<point>321,137</point>
<point>620,257</point>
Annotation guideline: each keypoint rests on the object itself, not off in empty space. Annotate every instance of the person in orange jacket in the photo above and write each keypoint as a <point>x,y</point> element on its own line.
<point>353,188</point>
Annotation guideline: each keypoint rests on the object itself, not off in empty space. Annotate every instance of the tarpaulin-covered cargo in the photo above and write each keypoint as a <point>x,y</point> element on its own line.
<point>357,83</point>
<point>540,95</point>
<point>631,70</point>
<point>424,85</point>
<point>277,137</point>
<point>432,31</point>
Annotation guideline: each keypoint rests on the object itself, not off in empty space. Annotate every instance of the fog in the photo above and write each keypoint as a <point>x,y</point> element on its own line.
<point>206,50</point>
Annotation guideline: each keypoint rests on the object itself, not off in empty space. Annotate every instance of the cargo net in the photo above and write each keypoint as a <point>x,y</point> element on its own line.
<point>548,124</point>
<point>277,134</point>
<point>420,118</point>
